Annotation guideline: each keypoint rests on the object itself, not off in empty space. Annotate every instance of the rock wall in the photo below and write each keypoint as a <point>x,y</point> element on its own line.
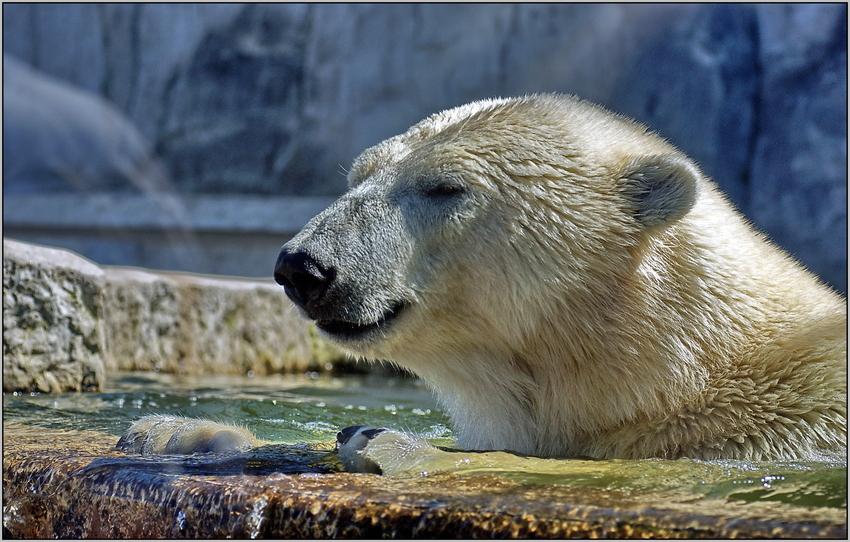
<point>66,321</point>
<point>52,320</point>
<point>278,98</point>
<point>192,324</point>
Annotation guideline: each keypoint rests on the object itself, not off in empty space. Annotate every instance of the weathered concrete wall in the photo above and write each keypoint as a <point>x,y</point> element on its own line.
<point>66,321</point>
<point>277,98</point>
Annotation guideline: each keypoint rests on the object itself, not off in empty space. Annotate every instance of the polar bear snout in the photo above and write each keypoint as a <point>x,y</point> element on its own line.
<point>304,280</point>
<point>339,300</point>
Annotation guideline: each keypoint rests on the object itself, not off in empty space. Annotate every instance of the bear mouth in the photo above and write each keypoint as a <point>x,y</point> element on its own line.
<point>342,329</point>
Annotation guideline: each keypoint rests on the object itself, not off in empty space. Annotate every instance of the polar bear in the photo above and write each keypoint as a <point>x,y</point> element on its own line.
<point>569,284</point>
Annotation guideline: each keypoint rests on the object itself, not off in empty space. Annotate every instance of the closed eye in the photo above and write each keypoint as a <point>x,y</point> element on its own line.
<point>445,190</point>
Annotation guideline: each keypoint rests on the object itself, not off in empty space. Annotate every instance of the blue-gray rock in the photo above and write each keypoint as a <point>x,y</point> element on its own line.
<point>278,99</point>
<point>59,138</point>
<point>798,185</point>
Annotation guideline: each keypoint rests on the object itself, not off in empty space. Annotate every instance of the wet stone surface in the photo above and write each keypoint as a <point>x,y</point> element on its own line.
<point>73,484</point>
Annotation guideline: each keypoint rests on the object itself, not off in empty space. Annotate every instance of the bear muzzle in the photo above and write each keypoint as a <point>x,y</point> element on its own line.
<point>304,280</point>
<point>308,284</point>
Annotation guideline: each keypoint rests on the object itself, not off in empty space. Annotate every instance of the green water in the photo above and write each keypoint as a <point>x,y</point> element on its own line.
<point>279,408</point>
<point>311,408</point>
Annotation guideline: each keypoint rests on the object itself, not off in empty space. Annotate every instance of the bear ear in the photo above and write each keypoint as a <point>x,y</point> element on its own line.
<point>660,188</point>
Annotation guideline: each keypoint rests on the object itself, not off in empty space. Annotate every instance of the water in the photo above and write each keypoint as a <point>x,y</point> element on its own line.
<point>279,408</point>
<point>312,408</point>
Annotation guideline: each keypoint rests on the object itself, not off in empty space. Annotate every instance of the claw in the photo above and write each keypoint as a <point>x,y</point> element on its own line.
<point>345,434</point>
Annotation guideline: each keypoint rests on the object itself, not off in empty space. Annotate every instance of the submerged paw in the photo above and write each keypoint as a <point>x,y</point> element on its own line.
<point>175,435</point>
<point>383,451</point>
<point>367,433</point>
<point>351,443</point>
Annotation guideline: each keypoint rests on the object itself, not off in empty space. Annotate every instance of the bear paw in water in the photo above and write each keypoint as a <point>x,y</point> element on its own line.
<point>350,445</point>
<point>380,450</point>
<point>176,435</point>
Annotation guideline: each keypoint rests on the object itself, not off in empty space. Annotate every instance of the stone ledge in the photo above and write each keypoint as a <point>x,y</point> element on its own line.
<point>66,320</point>
<point>53,331</point>
<point>232,214</point>
<point>235,235</point>
<point>73,485</point>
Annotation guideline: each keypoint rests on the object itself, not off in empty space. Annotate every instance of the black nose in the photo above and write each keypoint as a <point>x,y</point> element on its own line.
<point>302,277</point>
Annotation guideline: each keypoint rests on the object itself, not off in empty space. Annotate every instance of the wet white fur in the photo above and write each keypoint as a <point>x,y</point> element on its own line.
<point>569,311</point>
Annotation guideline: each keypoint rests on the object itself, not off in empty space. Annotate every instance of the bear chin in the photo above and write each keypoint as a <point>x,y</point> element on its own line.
<point>346,332</point>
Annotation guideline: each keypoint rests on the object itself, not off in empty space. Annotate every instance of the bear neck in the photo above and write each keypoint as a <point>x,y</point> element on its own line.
<point>686,319</point>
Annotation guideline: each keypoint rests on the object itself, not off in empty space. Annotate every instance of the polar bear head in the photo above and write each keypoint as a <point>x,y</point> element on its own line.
<point>478,223</point>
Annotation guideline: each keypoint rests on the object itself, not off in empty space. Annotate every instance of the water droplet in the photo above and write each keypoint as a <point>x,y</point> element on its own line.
<point>255,518</point>
<point>181,520</point>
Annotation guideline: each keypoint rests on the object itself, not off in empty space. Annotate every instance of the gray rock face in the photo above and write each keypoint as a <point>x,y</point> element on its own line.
<point>52,320</point>
<point>64,139</point>
<point>144,328</point>
<point>276,99</point>
<point>798,176</point>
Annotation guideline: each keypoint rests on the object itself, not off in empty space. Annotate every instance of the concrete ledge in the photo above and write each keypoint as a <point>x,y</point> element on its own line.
<point>73,485</point>
<point>66,320</point>
<point>222,235</point>
<point>194,324</point>
<point>161,211</point>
